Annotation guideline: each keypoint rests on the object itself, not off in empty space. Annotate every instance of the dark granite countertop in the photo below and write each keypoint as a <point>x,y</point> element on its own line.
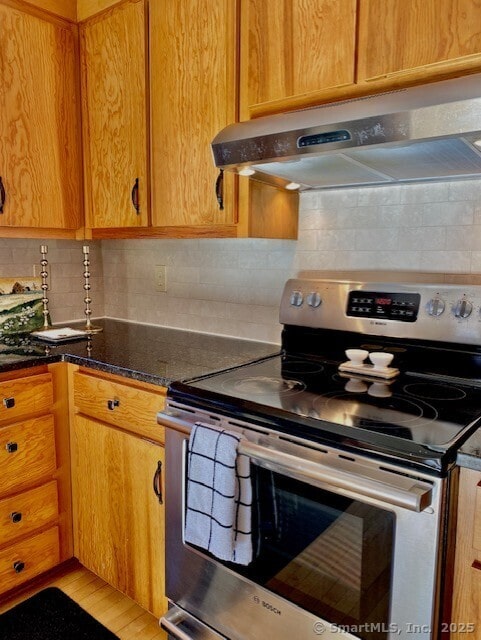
<point>149,353</point>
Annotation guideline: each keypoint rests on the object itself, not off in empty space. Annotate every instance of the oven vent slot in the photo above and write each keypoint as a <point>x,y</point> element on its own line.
<point>397,472</point>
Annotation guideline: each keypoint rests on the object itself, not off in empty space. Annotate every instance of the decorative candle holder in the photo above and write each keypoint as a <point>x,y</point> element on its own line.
<point>89,327</point>
<point>44,286</point>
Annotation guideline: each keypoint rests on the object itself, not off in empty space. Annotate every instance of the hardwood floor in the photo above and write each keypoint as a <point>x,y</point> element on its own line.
<point>110,607</point>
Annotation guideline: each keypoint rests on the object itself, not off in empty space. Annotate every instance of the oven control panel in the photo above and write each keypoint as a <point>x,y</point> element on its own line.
<point>444,312</point>
<point>375,304</point>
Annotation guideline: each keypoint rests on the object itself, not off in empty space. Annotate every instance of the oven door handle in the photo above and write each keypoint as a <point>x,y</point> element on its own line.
<point>400,491</point>
<point>349,477</point>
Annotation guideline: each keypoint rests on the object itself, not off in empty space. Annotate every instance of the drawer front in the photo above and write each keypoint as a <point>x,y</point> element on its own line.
<point>29,558</point>
<point>25,396</point>
<point>120,405</point>
<point>27,453</point>
<point>26,512</point>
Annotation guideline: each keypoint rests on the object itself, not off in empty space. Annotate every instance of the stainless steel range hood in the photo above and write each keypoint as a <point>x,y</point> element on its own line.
<point>416,134</point>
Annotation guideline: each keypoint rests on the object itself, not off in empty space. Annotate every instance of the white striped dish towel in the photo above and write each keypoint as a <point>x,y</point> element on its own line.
<point>219,494</point>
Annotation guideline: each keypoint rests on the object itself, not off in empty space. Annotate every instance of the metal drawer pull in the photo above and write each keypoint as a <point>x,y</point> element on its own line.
<point>476,565</point>
<point>11,447</point>
<point>111,404</point>
<point>16,516</point>
<point>219,189</point>
<point>135,196</point>
<point>18,566</point>
<point>157,482</point>
<point>8,403</point>
<point>196,630</point>
<point>3,195</point>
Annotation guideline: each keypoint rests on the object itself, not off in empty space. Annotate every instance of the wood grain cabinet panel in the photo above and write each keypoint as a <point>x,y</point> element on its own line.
<point>23,513</point>
<point>25,396</point>
<point>114,76</point>
<point>418,37</point>
<point>40,153</point>
<point>128,407</point>
<point>293,48</point>
<point>118,519</point>
<point>193,96</point>
<point>466,616</point>
<point>27,453</point>
<point>28,558</point>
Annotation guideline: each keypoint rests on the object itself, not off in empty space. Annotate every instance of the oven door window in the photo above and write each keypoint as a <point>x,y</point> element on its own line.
<point>326,553</point>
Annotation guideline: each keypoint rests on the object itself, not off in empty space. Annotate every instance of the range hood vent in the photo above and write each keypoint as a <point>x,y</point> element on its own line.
<point>424,133</point>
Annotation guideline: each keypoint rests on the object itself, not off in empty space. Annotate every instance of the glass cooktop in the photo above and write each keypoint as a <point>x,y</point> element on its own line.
<point>411,415</point>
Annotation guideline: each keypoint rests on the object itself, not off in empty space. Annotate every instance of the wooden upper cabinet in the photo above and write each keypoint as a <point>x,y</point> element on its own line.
<point>113,57</point>
<point>40,149</point>
<point>423,38</point>
<point>193,96</point>
<point>293,49</point>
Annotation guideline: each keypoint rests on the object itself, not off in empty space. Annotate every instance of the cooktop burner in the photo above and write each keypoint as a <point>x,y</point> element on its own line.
<point>311,398</point>
<point>266,386</point>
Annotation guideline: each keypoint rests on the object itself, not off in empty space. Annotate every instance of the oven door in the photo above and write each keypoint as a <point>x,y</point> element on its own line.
<point>343,548</point>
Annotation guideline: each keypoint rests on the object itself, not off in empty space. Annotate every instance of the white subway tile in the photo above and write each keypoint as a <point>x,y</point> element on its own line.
<point>422,238</point>
<point>424,192</point>
<point>448,213</point>
<point>382,195</point>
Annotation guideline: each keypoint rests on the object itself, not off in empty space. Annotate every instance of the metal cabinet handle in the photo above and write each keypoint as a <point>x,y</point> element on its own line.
<point>111,404</point>
<point>135,196</point>
<point>16,516</point>
<point>8,403</point>
<point>476,565</point>
<point>175,618</point>
<point>219,189</point>
<point>3,195</point>
<point>11,447</point>
<point>157,482</point>
<point>18,566</point>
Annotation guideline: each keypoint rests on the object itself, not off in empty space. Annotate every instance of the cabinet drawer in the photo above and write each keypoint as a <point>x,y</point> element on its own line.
<point>22,514</point>
<point>25,396</point>
<point>27,453</point>
<point>127,407</point>
<point>29,558</point>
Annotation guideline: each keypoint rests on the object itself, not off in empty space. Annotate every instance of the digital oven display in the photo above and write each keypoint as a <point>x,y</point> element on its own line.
<point>403,307</point>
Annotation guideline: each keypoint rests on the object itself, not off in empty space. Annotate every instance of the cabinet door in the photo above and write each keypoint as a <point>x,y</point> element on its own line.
<point>398,36</point>
<point>113,53</point>
<point>291,48</point>
<point>193,96</point>
<point>40,164</point>
<point>466,613</point>
<point>118,520</point>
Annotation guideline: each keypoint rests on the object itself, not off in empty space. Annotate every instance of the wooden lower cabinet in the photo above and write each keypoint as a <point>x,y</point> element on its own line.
<point>35,506</point>
<point>118,519</point>
<point>466,616</point>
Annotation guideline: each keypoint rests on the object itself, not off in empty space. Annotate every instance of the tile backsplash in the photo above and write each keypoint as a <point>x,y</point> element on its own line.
<point>233,286</point>
<point>65,268</point>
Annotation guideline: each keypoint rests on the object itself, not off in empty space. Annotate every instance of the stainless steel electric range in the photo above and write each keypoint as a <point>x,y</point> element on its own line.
<point>354,472</point>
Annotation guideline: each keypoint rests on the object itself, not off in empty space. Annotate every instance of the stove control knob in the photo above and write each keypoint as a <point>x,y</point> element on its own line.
<point>297,298</point>
<point>436,306</point>
<point>314,299</point>
<point>463,309</point>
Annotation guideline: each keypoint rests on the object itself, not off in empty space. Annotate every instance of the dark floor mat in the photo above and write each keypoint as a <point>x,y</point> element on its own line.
<point>51,615</point>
